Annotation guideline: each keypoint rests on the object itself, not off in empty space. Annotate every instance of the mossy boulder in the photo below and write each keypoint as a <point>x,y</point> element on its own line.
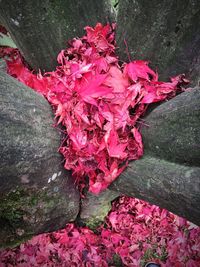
<point>95,208</point>
<point>36,194</point>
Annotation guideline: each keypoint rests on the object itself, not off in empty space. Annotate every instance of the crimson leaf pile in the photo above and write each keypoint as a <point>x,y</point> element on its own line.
<point>98,102</point>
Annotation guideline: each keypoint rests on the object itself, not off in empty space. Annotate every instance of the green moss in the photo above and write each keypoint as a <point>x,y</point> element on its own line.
<point>16,210</point>
<point>151,254</point>
<point>96,219</point>
<point>93,223</point>
<point>94,209</point>
<point>13,204</point>
<point>19,202</point>
<point>116,261</point>
<point>16,242</point>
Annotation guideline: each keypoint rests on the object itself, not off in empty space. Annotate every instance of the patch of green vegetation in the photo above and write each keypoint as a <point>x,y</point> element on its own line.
<point>16,242</point>
<point>17,203</point>
<point>97,217</point>
<point>93,223</point>
<point>116,260</point>
<point>151,254</point>
<point>16,209</point>
<point>12,205</point>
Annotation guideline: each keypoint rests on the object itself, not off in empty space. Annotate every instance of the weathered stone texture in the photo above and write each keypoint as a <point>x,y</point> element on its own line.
<point>168,174</point>
<point>36,193</point>
<point>166,33</point>
<point>40,29</point>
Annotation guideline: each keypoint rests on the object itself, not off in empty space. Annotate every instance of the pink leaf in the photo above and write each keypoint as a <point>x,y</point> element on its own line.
<point>114,147</point>
<point>139,69</point>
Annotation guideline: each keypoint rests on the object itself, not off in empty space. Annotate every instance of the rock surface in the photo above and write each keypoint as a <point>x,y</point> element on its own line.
<point>36,193</point>
<point>168,174</point>
<point>166,33</point>
<point>95,208</point>
<point>42,29</point>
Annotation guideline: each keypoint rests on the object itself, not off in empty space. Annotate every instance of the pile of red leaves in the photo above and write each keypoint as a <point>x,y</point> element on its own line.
<point>134,233</point>
<point>98,102</point>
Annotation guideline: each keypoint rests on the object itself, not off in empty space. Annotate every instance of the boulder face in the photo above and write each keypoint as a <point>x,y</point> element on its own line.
<point>94,208</point>
<point>36,193</point>
<point>42,29</point>
<point>168,174</point>
<point>173,131</point>
<point>166,33</point>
